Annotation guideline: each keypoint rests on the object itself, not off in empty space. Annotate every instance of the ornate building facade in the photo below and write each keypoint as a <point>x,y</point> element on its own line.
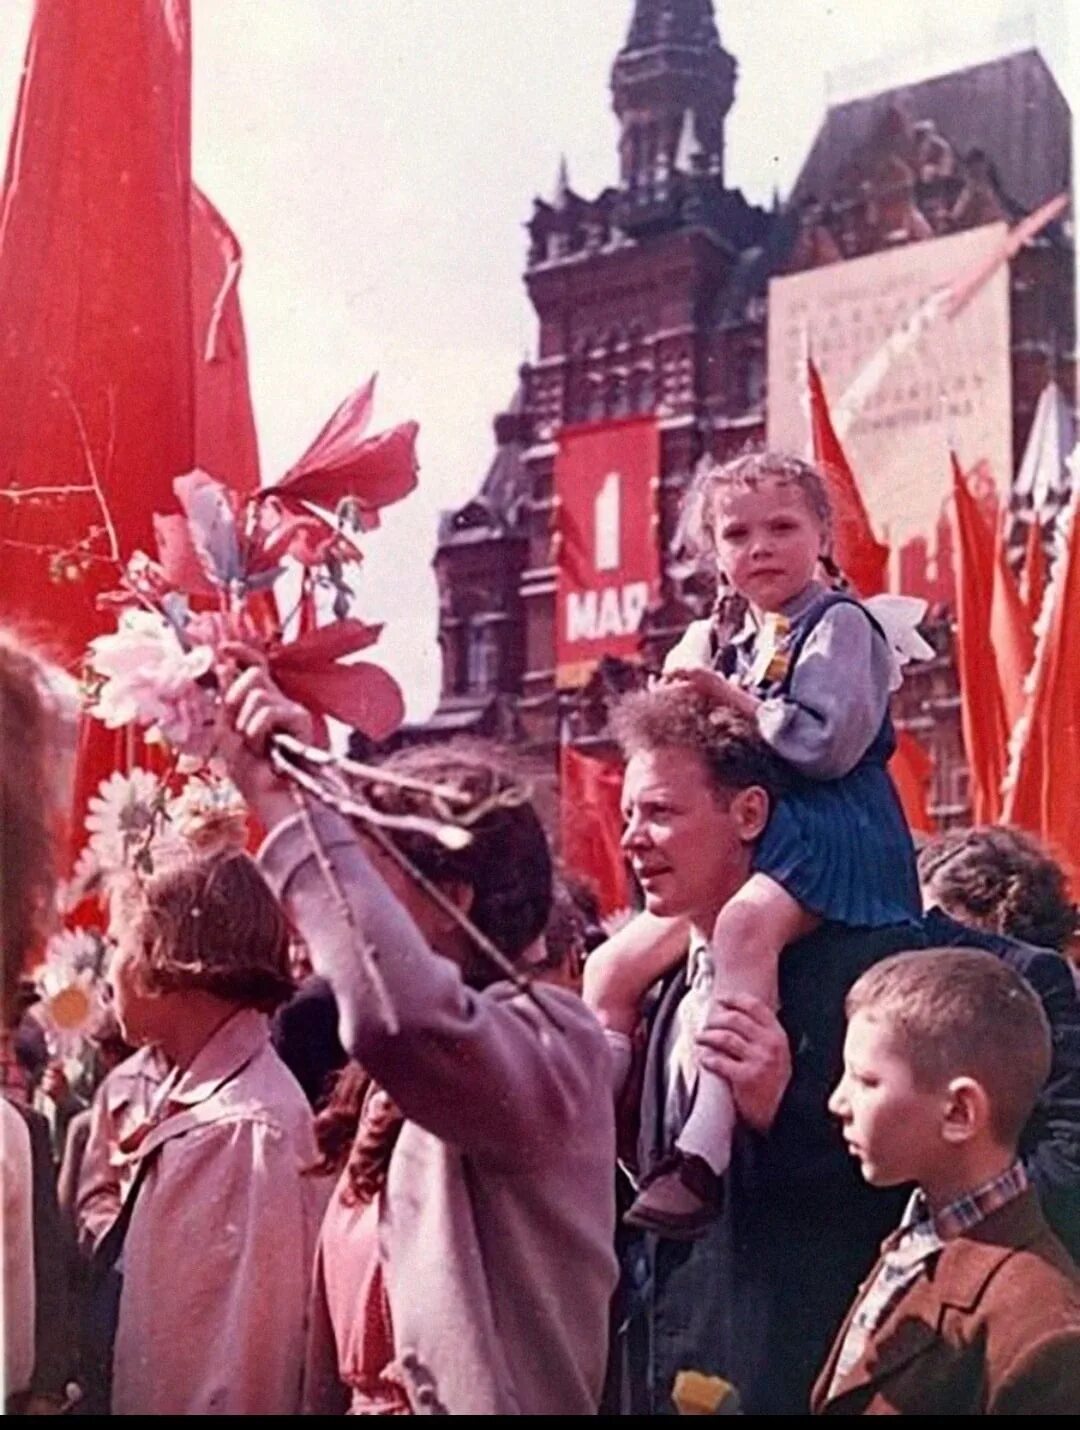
<point>651,297</point>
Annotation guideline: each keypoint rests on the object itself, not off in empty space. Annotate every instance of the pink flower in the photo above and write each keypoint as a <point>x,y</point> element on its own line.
<point>152,681</point>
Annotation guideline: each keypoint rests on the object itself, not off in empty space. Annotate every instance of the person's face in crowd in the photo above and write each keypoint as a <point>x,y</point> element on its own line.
<point>768,541</point>
<point>138,1012</point>
<point>299,961</point>
<point>689,848</point>
<point>893,1127</point>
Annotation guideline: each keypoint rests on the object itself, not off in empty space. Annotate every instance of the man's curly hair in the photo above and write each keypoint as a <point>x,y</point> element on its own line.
<point>675,716</point>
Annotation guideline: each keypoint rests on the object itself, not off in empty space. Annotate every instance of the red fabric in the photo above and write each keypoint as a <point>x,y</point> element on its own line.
<point>1033,579</point>
<point>123,348</point>
<point>591,820</point>
<point>861,557</point>
<point>911,768</point>
<point>608,548</point>
<point>1043,798</point>
<point>982,709</point>
<point>342,463</point>
<point>226,444</point>
<point>1011,634</point>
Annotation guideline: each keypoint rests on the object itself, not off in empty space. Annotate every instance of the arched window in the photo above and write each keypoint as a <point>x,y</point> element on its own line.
<point>482,658</point>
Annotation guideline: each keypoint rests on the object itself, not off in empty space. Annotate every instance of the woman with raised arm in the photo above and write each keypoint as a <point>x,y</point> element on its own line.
<point>466,1261</point>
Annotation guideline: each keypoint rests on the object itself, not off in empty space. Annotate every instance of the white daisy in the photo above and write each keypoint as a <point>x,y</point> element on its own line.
<point>128,823</point>
<point>70,981</point>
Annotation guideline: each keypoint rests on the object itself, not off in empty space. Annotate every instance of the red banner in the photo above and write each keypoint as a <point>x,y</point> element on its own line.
<point>606,488</point>
<point>592,825</point>
<point>123,362</point>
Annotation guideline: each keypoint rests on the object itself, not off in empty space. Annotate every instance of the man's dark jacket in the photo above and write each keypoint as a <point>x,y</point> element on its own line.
<point>1050,1145</point>
<point>759,1298</point>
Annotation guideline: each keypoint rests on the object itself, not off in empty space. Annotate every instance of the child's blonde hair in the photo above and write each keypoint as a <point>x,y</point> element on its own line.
<point>746,473</point>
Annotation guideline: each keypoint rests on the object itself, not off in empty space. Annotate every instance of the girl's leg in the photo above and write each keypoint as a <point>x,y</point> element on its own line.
<point>750,933</point>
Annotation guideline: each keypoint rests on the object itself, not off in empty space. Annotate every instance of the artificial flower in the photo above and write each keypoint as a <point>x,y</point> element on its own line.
<point>70,981</point>
<point>342,465</point>
<point>151,680</point>
<point>127,823</point>
<point>311,671</point>
<point>209,814</point>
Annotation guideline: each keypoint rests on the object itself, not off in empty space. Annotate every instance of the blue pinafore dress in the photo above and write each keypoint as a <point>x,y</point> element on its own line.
<point>841,847</point>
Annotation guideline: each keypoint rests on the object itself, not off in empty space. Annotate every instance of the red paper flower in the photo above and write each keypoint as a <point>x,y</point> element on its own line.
<point>344,465</point>
<point>310,671</point>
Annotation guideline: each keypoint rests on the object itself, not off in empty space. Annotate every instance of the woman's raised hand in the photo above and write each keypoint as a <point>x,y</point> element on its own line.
<point>256,710</point>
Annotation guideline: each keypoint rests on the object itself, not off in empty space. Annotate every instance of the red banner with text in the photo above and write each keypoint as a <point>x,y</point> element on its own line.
<point>607,518</point>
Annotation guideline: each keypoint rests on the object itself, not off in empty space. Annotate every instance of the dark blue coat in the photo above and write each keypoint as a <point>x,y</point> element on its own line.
<point>759,1298</point>
<point>1051,1142</point>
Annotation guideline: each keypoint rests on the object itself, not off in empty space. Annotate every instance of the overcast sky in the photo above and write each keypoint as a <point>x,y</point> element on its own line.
<point>378,158</point>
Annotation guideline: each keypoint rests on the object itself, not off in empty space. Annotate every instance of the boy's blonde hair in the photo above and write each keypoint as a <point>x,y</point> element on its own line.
<point>960,1012</point>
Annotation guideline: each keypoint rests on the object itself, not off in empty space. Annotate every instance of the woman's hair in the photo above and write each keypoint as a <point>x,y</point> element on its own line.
<point>507,865</point>
<point>697,523</point>
<point>509,870</point>
<point>1001,878</point>
<point>27,864</point>
<point>211,923</point>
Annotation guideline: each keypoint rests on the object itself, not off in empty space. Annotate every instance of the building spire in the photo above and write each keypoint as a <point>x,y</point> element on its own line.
<point>561,195</point>
<point>672,22</point>
<point>672,63</point>
<point>689,151</point>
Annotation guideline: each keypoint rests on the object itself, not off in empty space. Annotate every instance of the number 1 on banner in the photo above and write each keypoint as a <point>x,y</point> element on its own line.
<point>607,523</point>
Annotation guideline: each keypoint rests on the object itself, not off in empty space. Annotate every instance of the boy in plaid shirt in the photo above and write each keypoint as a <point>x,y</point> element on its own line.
<point>974,1306</point>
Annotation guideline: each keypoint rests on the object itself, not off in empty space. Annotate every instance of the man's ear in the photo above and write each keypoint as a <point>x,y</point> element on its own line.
<point>967,1110</point>
<point>750,809</point>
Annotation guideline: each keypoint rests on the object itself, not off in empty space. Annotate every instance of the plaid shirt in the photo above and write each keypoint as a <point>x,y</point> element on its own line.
<point>907,1254</point>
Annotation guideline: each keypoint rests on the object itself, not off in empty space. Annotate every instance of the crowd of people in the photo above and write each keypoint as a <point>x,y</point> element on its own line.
<point>804,1133</point>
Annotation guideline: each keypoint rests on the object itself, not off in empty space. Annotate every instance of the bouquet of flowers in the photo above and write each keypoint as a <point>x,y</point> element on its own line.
<point>213,579</point>
<point>218,577</point>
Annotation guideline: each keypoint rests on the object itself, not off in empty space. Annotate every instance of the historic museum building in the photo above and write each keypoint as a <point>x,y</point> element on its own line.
<point>652,298</point>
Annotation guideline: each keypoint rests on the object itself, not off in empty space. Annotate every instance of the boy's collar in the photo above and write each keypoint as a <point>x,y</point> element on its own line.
<point>964,1212</point>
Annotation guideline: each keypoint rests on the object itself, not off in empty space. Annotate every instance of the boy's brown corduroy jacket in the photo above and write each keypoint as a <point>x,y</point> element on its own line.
<point>993,1329</point>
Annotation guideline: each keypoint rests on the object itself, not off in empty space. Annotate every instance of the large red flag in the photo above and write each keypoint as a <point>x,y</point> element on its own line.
<point>865,562</point>
<point>982,710</point>
<point>911,769</point>
<point>591,818</point>
<point>1011,634</point>
<point>1033,577</point>
<point>1041,796</point>
<point>122,362</point>
<point>862,558</point>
